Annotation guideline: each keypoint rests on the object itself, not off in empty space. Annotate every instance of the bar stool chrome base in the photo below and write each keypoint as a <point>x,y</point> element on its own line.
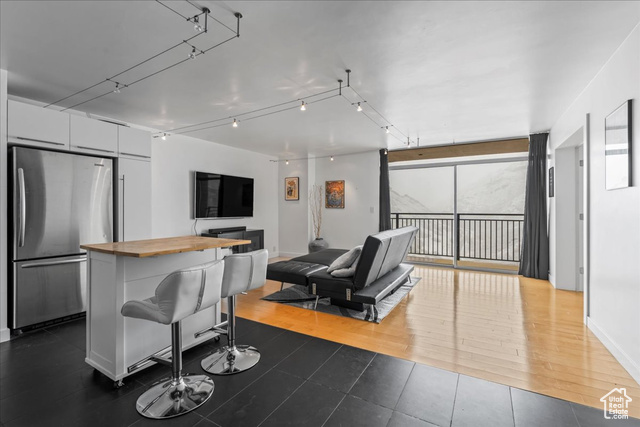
<point>169,398</point>
<point>231,360</point>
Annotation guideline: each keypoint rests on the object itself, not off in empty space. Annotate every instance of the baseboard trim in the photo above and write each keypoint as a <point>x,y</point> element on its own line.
<point>290,254</point>
<point>622,357</point>
<point>5,334</point>
<point>552,280</point>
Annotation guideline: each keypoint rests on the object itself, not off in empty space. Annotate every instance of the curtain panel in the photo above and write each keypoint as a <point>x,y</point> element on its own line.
<point>385,197</point>
<point>534,259</point>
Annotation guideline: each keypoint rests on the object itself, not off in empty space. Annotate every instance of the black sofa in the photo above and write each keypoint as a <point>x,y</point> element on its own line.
<point>380,270</point>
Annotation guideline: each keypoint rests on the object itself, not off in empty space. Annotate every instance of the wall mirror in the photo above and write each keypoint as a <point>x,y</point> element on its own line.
<point>617,134</point>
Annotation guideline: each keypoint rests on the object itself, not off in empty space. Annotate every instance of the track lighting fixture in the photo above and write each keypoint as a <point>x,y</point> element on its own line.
<point>200,25</point>
<point>332,158</point>
<point>164,136</point>
<point>196,24</point>
<point>387,129</point>
<point>359,107</point>
<point>117,89</point>
<point>286,162</point>
<point>303,107</point>
<point>235,123</point>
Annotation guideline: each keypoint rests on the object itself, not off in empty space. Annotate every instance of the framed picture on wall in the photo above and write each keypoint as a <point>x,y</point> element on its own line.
<point>617,147</point>
<point>334,194</point>
<point>291,188</point>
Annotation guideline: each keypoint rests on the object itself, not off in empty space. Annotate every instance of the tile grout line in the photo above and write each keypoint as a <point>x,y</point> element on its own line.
<point>513,412</point>
<point>282,403</point>
<point>347,393</point>
<point>455,398</point>
<point>573,411</point>
<point>253,382</point>
<point>304,379</point>
<point>334,410</point>
<point>405,386</point>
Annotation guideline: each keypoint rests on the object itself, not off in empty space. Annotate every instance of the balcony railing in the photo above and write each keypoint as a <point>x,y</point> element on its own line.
<point>492,237</point>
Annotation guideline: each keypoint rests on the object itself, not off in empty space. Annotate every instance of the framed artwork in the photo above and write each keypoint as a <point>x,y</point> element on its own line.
<point>291,188</point>
<point>334,194</point>
<point>617,147</point>
<point>551,181</point>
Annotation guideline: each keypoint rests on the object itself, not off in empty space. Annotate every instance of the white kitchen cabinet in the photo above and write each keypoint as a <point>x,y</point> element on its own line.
<point>93,136</point>
<point>134,143</point>
<point>37,126</point>
<point>133,200</point>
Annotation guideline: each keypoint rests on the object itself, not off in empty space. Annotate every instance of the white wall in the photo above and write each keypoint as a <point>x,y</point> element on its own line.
<point>4,331</point>
<point>173,163</point>
<point>293,215</point>
<point>349,227</point>
<point>614,223</point>
<point>341,228</point>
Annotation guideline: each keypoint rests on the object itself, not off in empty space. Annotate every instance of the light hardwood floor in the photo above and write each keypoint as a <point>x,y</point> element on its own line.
<point>504,328</point>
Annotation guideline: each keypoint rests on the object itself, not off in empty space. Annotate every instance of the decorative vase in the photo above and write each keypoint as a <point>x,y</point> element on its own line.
<point>317,245</point>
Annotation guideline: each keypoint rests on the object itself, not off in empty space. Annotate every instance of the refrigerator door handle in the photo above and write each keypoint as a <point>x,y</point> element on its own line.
<point>22,203</point>
<point>49,263</point>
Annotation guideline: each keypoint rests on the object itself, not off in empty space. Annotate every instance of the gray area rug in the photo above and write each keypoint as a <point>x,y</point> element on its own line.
<point>297,296</point>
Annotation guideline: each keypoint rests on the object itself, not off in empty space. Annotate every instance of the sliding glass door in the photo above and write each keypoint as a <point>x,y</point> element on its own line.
<point>469,213</point>
<point>424,198</point>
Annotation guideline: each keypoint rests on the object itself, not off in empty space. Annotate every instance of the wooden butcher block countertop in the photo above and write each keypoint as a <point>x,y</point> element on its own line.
<point>164,246</point>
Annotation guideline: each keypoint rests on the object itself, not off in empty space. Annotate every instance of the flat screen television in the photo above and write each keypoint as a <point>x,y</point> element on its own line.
<point>222,196</point>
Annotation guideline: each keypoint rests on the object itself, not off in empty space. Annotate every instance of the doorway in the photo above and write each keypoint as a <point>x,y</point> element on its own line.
<point>570,205</point>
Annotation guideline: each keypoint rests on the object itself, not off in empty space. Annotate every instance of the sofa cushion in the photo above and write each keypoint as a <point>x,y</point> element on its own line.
<point>323,283</point>
<point>324,257</point>
<point>382,287</point>
<point>346,260</point>
<point>292,271</point>
<point>382,253</point>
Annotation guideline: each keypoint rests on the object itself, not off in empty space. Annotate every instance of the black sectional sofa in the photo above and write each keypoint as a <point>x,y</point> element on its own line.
<point>379,272</point>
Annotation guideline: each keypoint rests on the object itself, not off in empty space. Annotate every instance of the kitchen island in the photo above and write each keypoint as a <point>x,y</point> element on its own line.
<point>119,272</point>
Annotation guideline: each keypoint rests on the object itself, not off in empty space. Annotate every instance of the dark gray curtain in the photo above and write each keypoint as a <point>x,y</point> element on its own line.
<point>534,259</point>
<point>385,201</point>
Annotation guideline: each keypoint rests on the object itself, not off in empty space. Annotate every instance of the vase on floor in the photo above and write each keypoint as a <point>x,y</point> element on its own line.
<point>318,245</point>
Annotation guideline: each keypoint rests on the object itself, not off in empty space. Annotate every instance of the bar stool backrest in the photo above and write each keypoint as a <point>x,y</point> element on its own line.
<point>243,272</point>
<point>189,290</point>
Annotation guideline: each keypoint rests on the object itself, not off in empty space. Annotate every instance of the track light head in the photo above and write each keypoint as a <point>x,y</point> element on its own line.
<point>359,107</point>
<point>235,123</point>
<point>286,162</point>
<point>117,89</point>
<point>164,136</point>
<point>387,129</point>
<point>192,55</point>
<point>196,24</point>
<point>303,107</point>
<point>332,158</point>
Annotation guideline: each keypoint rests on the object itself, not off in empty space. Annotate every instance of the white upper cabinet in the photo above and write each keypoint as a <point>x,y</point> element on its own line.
<point>93,136</point>
<point>37,126</point>
<point>134,143</point>
<point>133,199</point>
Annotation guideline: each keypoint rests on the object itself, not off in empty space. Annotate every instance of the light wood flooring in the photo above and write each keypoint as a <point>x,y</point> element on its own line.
<point>504,328</point>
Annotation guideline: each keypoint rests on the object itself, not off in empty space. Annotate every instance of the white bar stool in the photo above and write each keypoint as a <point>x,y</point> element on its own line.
<point>242,272</point>
<point>181,294</point>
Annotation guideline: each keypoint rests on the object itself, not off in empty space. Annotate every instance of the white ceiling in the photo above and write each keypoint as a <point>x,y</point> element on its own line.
<point>440,71</point>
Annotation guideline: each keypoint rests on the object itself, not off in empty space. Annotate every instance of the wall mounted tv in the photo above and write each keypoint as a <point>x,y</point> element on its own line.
<point>222,196</point>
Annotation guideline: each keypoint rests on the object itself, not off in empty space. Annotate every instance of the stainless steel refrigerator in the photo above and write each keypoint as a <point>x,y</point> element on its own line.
<point>59,201</point>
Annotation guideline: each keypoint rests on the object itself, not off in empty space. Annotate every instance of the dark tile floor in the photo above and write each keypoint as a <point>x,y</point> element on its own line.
<point>299,381</point>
